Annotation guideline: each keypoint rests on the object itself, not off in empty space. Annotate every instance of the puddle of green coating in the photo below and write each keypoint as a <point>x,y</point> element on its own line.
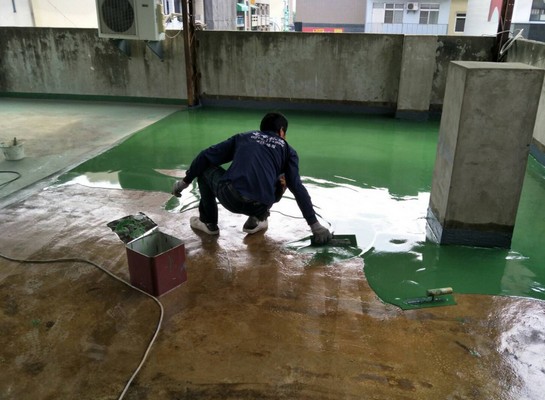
<point>368,176</point>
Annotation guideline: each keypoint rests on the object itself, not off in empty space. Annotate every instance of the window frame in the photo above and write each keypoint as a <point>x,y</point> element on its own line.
<point>430,12</point>
<point>460,19</point>
<point>393,13</point>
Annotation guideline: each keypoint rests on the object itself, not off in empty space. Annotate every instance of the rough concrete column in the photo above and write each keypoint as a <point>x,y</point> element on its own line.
<point>538,145</point>
<point>486,129</point>
<point>416,78</point>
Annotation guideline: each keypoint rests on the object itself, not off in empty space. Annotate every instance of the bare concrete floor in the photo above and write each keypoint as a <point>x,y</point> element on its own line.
<point>58,135</point>
<point>253,321</point>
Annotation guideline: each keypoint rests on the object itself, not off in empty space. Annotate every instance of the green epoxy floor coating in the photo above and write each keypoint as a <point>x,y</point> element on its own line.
<point>367,175</point>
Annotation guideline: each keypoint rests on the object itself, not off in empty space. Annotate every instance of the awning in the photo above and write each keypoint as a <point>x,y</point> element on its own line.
<point>242,7</point>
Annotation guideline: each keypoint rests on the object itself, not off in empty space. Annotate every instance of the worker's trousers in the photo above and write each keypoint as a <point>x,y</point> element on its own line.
<point>211,187</point>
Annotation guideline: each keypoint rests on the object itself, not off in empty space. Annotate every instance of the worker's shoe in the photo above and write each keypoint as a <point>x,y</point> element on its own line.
<point>253,225</point>
<point>196,223</point>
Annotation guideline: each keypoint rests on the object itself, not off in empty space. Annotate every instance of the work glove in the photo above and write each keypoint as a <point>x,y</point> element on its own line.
<point>178,187</point>
<point>321,233</point>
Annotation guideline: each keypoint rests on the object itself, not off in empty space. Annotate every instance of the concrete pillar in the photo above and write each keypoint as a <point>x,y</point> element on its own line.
<point>538,145</point>
<point>488,118</point>
<point>416,78</point>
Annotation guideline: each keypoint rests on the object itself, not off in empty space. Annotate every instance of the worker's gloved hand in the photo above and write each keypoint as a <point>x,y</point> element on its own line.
<point>321,233</point>
<point>178,187</point>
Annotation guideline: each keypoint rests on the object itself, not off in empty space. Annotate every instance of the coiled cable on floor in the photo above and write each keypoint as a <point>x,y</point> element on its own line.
<point>81,260</point>
<point>18,175</point>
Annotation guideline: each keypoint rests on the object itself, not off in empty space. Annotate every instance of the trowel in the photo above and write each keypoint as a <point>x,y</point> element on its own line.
<point>337,241</point>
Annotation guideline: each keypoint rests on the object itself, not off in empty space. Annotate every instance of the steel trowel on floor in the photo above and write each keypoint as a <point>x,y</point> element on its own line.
<point>337,241</point>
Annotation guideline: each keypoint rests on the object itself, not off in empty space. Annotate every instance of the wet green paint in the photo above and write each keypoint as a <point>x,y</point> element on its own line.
<point>367,175</point>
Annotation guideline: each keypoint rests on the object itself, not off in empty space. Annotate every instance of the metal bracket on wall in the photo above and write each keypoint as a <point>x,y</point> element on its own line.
<point>123,45</point>
<point>157,48</point>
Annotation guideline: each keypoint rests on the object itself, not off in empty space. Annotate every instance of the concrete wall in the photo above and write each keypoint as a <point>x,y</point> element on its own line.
<point>301,67</point>
<point>361,70</point>
<point>533,53</point>
<point>417,70</point>
<point>77,62</point>
<point>456,48</point>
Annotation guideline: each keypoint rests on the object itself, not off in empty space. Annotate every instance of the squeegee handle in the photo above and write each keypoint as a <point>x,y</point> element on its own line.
<point>439,291</point>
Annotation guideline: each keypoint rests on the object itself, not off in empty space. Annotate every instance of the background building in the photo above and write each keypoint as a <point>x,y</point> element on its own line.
<point>457,17</point>
<point>529,15</point>
<point>433,17</point>
<point>330,16</point>
<point>213,14</point>
<point>408,17</point>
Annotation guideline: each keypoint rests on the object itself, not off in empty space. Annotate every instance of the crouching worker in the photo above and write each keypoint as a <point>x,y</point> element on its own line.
<point>262,165</point>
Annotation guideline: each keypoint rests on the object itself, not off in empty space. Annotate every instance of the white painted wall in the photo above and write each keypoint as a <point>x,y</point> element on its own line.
<point>65,13</point>
<point>277,15</point>
<point>49,13</point>
<point>15,13</point>
<point>521,12</point>
<point>477,22</point>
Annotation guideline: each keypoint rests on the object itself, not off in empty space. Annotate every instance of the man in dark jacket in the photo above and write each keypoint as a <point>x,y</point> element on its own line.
<point>258,160</point>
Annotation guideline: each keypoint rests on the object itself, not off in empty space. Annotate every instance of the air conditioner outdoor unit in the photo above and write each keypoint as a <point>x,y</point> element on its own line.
<point>130,19</point>
<point>412,6</point>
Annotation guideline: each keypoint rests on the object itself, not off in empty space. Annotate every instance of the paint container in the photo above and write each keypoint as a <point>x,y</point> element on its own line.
<point>156,260</point>
<point>13,150</point>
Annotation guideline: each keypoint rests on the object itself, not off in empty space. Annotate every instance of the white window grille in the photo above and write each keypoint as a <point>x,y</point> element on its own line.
<point>429,13</point>
<point>393,13</point>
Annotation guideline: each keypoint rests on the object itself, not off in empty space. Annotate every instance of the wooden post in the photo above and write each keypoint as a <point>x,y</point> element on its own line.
<point>190,44</point>
<point>504,26</point>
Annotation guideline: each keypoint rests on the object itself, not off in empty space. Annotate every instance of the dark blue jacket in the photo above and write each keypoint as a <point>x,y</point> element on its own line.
<point>257,160</point>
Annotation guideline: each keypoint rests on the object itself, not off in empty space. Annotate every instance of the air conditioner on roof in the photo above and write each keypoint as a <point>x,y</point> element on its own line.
<point>412,6</point>
<point>130,19</point>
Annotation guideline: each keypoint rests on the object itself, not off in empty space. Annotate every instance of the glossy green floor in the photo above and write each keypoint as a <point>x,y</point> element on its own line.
<point>368,176</point>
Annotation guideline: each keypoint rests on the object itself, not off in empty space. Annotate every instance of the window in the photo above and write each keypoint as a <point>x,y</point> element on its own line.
<point>393,13</point>
<point>460,24</point>
<point>171,6</point>
<point>429,13</point>
<point>538,11</point>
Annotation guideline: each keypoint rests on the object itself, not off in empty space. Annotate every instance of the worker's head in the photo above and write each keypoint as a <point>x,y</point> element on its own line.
<point>274,122</point>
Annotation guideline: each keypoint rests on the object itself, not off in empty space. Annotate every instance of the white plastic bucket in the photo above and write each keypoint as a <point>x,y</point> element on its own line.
<point>13,152</point>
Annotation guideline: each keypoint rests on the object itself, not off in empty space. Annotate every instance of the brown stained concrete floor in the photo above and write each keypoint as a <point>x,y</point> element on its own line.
<point>254,320</point>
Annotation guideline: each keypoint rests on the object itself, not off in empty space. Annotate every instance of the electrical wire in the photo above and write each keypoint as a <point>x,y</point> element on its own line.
<point>172,37</point>
<point>507,45</point>
<point>12,180</point>
<point>81,260</point>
